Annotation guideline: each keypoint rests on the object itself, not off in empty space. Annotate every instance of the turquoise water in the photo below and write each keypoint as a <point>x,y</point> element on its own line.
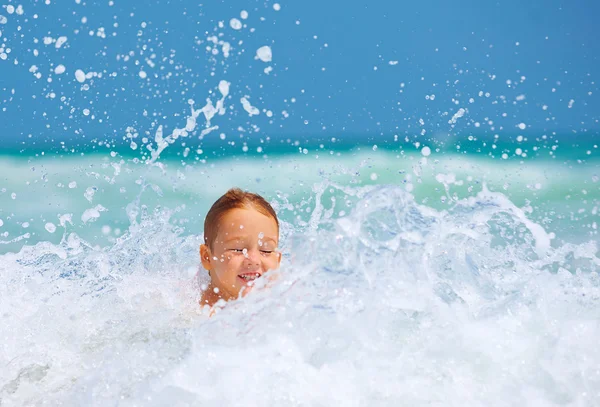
<point>556,181</point>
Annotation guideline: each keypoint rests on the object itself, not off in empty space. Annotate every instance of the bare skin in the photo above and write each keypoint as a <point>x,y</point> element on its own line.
<point>244,249</point>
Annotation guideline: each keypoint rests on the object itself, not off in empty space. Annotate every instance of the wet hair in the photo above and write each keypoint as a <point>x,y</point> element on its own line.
<point>235,198</point>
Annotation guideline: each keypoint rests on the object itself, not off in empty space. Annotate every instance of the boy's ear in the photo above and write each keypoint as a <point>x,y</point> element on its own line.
<point>278,258</point>
<point>205,256</point>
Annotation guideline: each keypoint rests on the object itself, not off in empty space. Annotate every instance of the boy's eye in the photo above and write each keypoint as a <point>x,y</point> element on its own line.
<point>242,251</point>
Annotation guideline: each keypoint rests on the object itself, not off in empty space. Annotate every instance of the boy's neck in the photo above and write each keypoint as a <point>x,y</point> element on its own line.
<point>209,297</point>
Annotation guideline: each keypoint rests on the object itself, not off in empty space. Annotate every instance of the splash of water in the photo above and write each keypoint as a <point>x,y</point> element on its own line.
<point>393,303</point>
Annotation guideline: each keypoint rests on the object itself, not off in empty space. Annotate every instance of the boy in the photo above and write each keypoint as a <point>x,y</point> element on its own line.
<point>241,234</point>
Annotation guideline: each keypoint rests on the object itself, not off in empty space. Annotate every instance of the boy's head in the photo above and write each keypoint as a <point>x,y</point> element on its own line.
<point>235,198</point>
<point>241,235</point>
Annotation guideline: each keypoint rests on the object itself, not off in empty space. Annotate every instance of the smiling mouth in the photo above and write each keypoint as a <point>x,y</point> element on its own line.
<point>249,277</point>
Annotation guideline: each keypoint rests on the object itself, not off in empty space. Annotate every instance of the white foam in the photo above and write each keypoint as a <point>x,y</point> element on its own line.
<point>235,24</point>
<point>89,193</point>
<point>460,113</point>
<point>92,214</point>
<point>264,53</point>
<point>209,111</point>
<point>224,88</point>
<point>396,301</point>
<point>226,48</point>
<point>60,69</point>
<point>60,41</point>
<point>252,111</point>
<point>80,76</point>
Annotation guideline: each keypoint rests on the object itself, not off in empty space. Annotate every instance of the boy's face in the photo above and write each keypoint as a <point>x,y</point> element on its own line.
<point>244,249</point>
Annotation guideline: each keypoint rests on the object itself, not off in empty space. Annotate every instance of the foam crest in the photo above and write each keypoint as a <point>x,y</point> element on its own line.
<point>394,303</point>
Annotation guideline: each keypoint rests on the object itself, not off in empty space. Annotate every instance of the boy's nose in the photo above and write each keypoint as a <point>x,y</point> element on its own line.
<point>253,255</point>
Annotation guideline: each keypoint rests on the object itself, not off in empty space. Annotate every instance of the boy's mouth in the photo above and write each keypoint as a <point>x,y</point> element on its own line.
<point>249,277</point>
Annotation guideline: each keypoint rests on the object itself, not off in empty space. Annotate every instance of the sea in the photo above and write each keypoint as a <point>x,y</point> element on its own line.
<point>457,269</point>
<point>411,276</point>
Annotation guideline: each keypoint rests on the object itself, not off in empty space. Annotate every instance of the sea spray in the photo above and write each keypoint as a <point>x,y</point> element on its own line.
<point>396,300</point>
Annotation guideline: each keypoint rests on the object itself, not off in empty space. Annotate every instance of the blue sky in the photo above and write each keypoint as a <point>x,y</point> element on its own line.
<point>351,69</point>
